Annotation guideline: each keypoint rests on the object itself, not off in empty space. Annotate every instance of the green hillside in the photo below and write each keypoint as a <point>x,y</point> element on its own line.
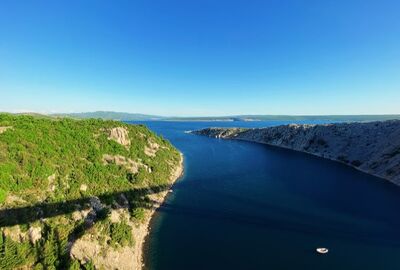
<point>50,169</point>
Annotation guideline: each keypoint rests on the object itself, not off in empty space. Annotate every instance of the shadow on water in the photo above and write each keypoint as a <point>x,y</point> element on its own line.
<point>129,199</point>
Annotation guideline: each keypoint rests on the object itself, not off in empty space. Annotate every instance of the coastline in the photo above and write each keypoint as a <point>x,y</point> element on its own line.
<point>320,156</point>
<point>140,232</point>
<point>370,147</point>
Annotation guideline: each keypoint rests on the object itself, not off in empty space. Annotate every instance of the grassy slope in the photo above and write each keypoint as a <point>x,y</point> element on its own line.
<point>71,150</point>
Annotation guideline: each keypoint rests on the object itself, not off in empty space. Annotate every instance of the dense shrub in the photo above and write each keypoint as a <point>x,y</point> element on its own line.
<point>138,214</point>
<point>121,234</point>
<point>48,160</point>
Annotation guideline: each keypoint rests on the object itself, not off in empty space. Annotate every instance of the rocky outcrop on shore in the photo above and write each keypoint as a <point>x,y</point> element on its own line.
<point>143,230</point>
<point>372,147</point>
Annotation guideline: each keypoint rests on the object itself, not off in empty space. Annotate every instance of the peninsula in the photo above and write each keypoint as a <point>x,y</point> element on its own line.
<point>371,147</point>
<point>79,194</point>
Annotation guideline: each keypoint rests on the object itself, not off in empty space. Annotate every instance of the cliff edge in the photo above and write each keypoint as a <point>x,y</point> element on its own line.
<point>371,147</point>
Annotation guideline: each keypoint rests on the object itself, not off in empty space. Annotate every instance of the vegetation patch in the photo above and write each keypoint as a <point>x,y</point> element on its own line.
<point>139,214</point>
<point>55,184</point>
<point>121,234</point>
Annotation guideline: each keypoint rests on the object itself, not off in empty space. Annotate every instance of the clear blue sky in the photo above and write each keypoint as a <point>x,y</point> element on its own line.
<point>202,57</point>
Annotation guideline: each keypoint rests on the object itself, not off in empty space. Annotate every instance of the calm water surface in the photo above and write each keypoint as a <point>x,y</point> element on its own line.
<point>243,205</point>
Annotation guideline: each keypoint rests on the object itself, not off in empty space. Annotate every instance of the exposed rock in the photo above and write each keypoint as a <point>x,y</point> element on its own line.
<point>117,215</point>
<point>87,249</point>
<point>83,188</point>
<point>35,234</point>
<point>131,165</point>
<point>76,216</point>
<point>120,135</point>
<point>15,233</point>
<point>119,160</point>
<point>53,201</point>
<point>50,179</point>
<point>372,147</point>
<point>4,129</point>
<point>151,149</point>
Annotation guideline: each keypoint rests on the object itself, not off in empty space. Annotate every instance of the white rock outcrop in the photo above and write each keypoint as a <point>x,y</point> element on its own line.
<point>120,135</point>
<point>151,149</point>
<point>35,234</point>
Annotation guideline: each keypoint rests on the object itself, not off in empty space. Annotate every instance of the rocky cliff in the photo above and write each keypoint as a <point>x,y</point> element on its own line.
<point>372,147</point>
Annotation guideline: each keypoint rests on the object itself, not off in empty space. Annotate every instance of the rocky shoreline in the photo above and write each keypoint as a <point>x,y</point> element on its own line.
<point>142,230</point>
<point>371,147</point>
<point>90,199</point>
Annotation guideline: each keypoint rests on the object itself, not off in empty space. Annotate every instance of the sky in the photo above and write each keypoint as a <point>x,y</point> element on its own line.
<point>200,58</point>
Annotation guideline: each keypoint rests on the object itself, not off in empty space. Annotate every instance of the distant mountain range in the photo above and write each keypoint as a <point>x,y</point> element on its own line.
<point>109,115</point>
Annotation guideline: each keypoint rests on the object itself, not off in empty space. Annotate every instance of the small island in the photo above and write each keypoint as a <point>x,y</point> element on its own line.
<point>79,193</point>
<point>371,147</point>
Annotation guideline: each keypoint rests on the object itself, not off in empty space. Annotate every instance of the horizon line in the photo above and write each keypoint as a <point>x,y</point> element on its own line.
<point>192,116</point>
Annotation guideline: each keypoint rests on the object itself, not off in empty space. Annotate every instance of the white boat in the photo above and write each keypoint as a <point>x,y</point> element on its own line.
<point>322,250</point>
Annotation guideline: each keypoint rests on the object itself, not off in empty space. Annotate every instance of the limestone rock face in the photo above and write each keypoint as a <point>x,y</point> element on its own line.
<point>372,147</point>
<point>151,149</point>
<point>86,249</point>
<point>15,233</point>
<point>35,234</point>
<point>129,164</point>
<point>120,135</point>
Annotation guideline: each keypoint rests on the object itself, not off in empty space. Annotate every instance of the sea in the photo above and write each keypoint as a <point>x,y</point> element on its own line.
<point>243,205</point>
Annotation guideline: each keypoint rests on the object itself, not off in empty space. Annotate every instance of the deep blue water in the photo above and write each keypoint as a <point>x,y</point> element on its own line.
<point>243,205</point>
